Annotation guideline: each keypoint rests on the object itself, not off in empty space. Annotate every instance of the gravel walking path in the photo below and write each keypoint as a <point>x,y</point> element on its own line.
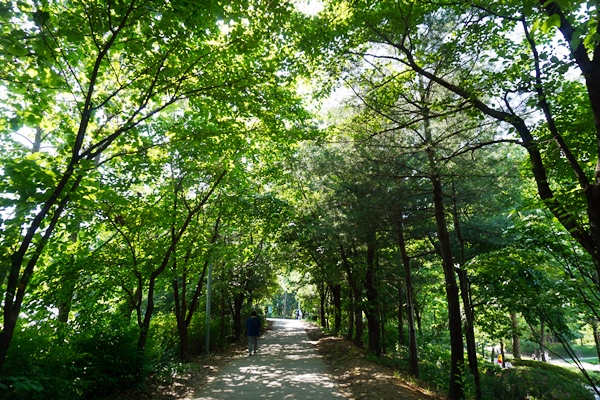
<point>286,366</point>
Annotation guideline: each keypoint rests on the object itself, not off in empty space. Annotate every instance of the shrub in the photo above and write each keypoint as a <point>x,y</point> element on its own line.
<point>39,363</point>
<point>66,361</point>
<point>533,380</point>
<point>108,359</point>
<point>434,365</point>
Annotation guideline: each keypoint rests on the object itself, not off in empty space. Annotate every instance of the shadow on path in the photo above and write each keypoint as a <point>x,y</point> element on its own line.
<point>286,367</point>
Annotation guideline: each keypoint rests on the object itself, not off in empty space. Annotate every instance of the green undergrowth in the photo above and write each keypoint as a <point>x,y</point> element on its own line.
<point>526,380</point>
<point>532,379</point>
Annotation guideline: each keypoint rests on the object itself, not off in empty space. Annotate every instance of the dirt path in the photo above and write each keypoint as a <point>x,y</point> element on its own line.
<point>291,365</point>
<point>287,366</point>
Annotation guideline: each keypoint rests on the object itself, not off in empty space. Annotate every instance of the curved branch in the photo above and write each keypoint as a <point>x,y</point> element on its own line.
<point>543,103</point>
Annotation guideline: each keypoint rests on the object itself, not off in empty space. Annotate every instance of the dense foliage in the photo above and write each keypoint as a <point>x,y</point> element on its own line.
<point>444,196</point>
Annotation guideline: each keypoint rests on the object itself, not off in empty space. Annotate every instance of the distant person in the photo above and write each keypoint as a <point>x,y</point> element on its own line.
<point>500,359</point>
<point>253,332</point>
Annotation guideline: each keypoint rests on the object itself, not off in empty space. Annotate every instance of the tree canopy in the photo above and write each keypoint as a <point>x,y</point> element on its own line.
<point>409,174</point>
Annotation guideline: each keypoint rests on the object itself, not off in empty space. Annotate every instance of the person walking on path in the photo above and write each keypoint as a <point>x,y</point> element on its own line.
<point>253,332</point>
<point>291,369</point>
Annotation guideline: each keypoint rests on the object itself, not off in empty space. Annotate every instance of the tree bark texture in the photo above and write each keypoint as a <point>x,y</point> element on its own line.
<point>516,336</point>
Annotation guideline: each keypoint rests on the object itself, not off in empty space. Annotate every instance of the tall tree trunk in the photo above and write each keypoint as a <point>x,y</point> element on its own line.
<point>350,315</point>
<point>372,306</point>
<point>591,72</point>
<point>455,390</point>
<point>382,330</point>
<point>418,317</point>
<point>22,268</point>
<point>66,294</point>
<point>542,337</point>
<point>184,308</point>
<point>465,291</point>
<point>176,234</point>
<point>184,312</point>
<point>322,301</point>
<point>358,322</point>
<point>180,310</point>
<point>401,337</point>
<point>410,306</point>
<point>516,336</point>
<point>469,330</point>
<point>594,324</point>
<point>336,294</point>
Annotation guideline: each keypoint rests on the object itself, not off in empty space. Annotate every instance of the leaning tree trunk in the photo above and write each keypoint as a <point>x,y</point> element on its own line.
<point>418,317</point>
<point>594,324</point>
<point>176,234</point>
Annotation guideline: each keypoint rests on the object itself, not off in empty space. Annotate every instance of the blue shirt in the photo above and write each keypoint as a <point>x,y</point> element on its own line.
<point>252,325</point>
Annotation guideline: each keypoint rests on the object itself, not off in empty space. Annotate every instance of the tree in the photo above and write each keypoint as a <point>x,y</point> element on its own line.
<point>529,78</point>
<point>89,79</point>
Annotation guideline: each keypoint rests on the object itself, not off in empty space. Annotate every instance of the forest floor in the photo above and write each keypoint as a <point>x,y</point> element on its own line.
<point>358,377</point>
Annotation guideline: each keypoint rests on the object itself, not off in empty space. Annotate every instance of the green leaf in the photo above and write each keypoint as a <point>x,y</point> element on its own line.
<point>553,21</point>
<point>18,49</point>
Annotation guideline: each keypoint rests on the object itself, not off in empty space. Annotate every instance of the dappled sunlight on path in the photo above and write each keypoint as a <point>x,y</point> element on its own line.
<point>287,366</point>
